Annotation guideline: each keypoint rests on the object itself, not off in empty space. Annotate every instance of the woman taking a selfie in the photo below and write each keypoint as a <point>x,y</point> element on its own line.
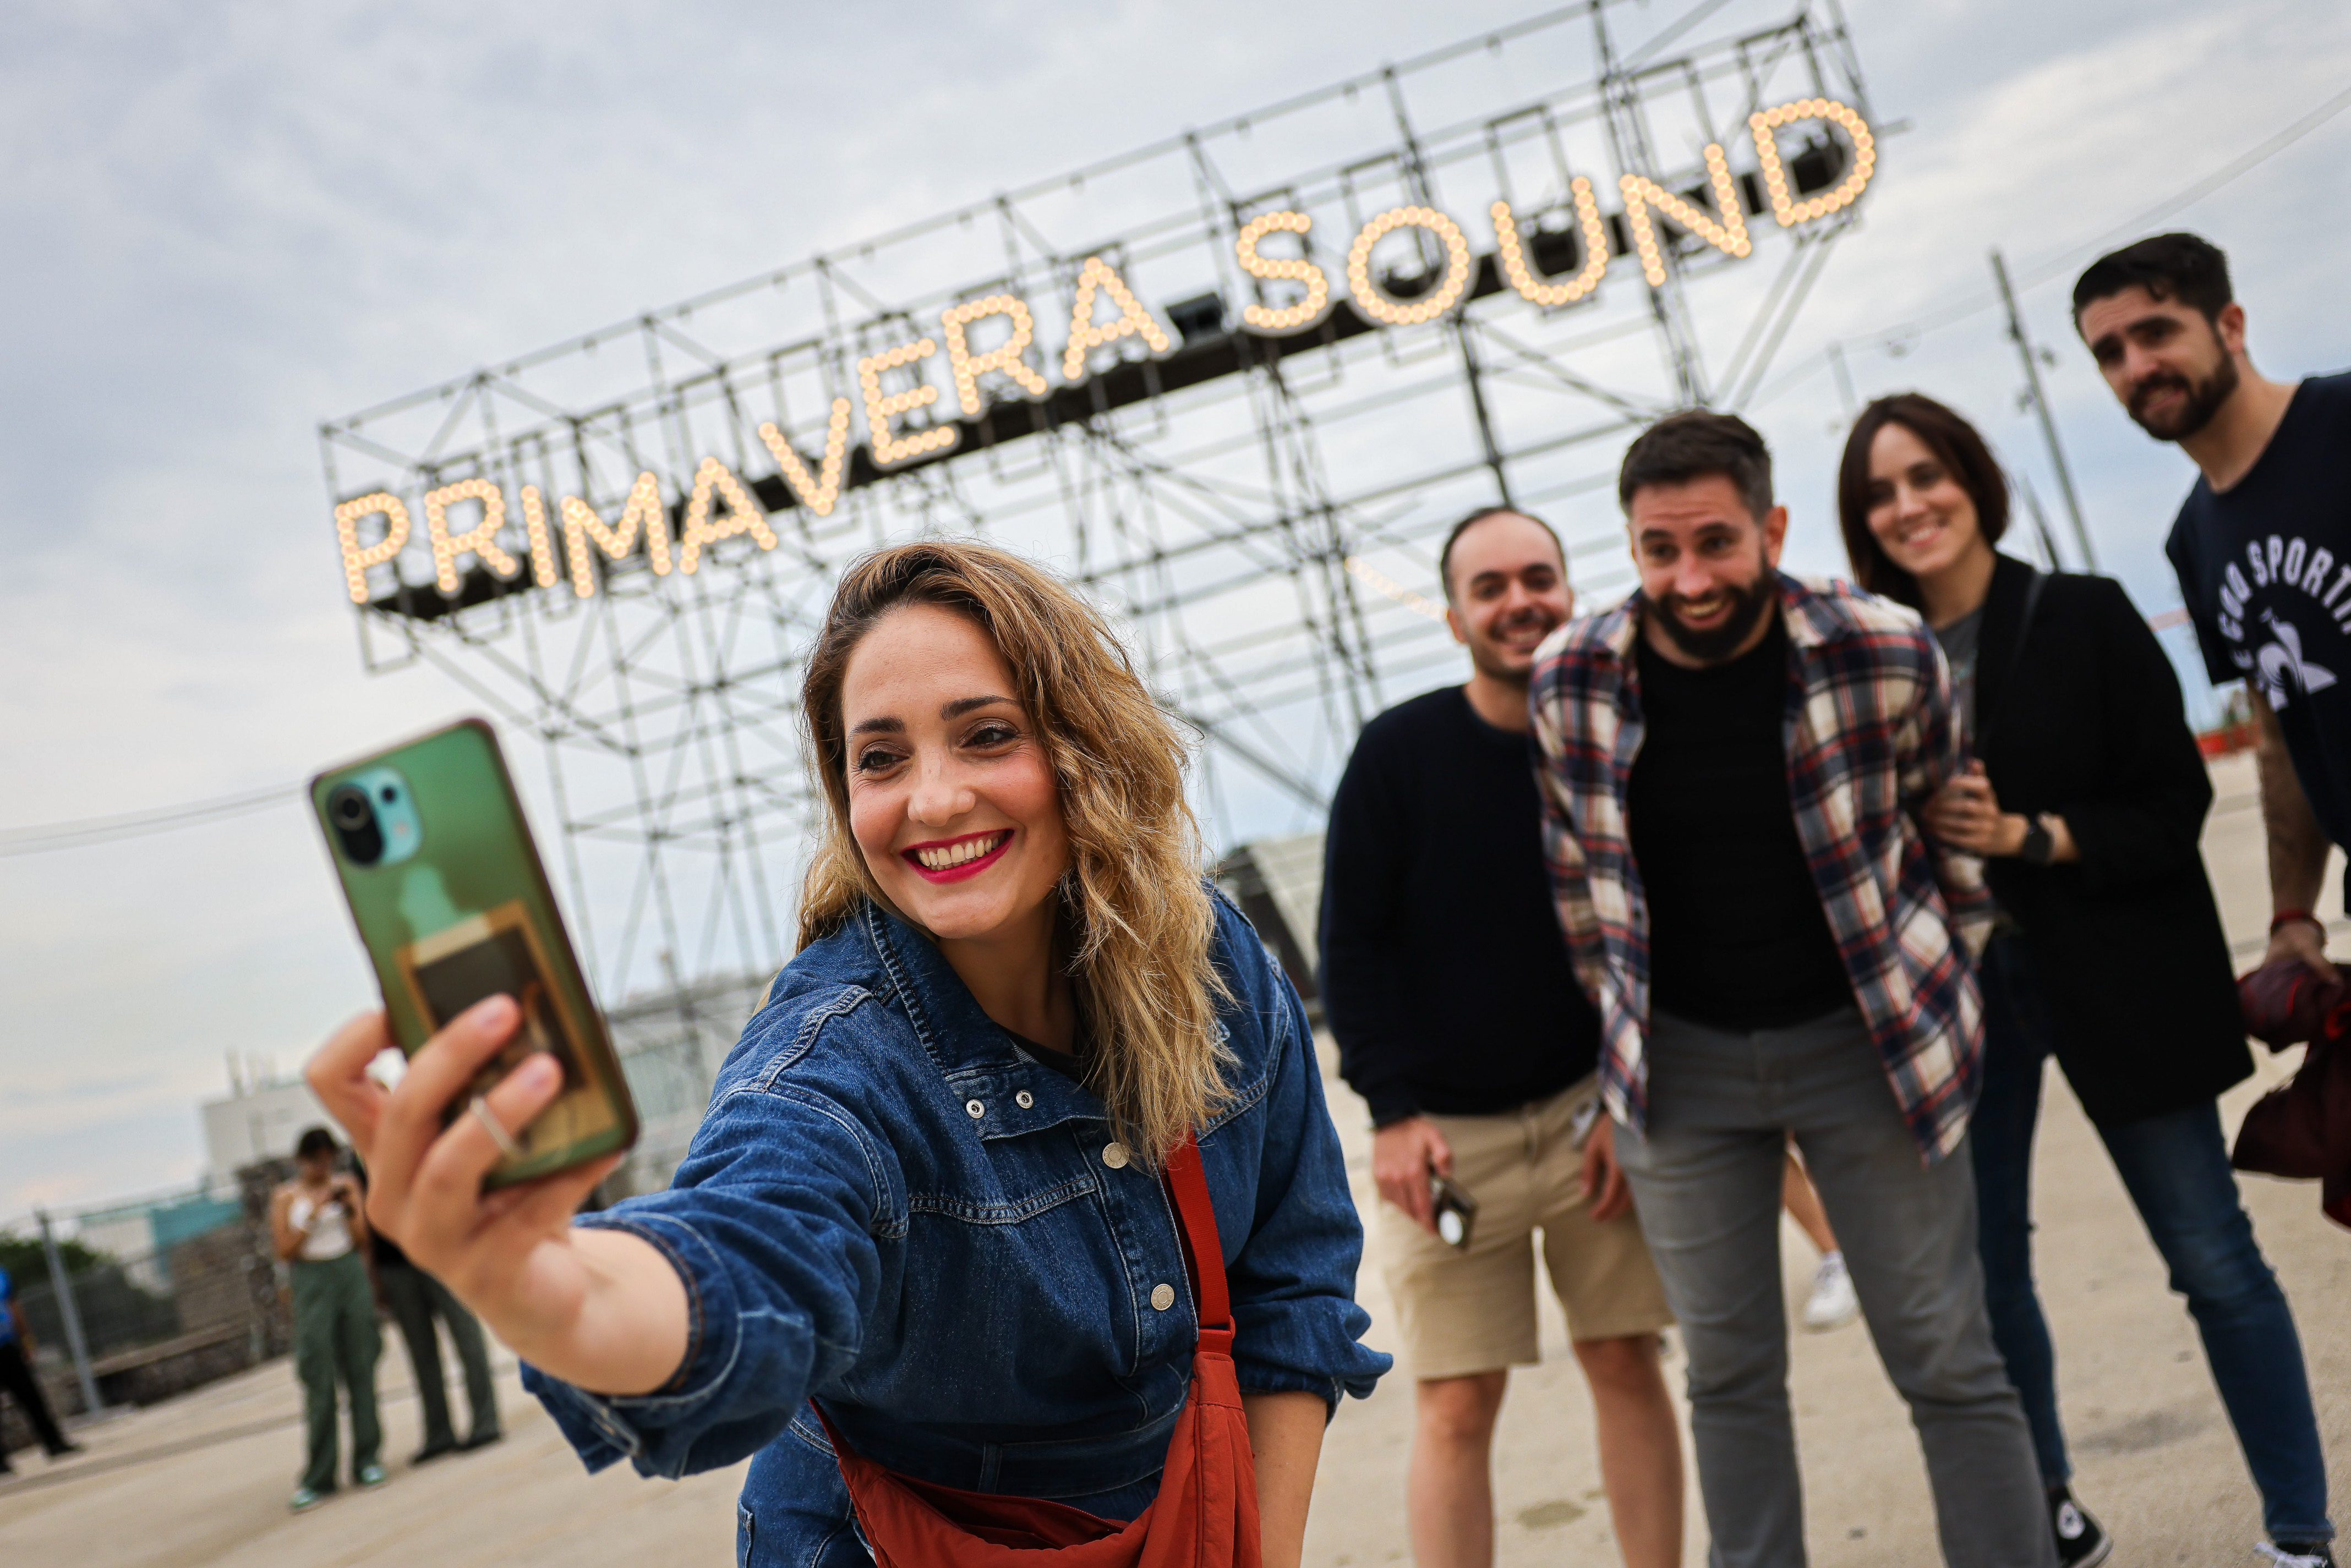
<point>928,1258</point>
<point>2086,799</point>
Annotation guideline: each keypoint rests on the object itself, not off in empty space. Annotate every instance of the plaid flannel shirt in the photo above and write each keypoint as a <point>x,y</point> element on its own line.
<point>1870,737</point>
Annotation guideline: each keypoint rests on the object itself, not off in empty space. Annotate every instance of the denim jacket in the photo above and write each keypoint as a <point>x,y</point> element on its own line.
<point>890,1206</point>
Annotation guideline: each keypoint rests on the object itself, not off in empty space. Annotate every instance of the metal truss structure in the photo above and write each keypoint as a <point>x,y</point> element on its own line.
<point>1252,486</point>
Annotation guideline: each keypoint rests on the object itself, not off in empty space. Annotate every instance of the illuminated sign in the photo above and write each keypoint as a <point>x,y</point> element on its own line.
<point>1115,350</point>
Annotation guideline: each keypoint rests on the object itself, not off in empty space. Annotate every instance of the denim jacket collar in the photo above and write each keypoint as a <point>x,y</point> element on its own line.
<point>976,1054</point>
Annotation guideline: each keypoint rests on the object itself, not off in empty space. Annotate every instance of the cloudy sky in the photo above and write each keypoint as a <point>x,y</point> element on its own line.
<point>216,232</point>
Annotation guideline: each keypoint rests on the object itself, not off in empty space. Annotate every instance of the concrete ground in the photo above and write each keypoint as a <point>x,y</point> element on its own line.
<point>203,1479</point>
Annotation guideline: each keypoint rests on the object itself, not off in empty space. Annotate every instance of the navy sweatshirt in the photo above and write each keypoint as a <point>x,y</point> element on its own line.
<point>1444,978</point>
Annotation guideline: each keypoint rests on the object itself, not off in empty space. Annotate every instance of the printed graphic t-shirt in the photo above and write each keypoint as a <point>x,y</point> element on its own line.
<point>2265,570</point>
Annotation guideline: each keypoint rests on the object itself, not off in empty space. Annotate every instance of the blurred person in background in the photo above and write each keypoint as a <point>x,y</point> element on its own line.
<point>414,1298</point>
<point>21,1383</point>
<point>1830,1304</point>
<point>318,1224</point>
<point>1475,1051</point>
<point>2087,797</point>
<point>926,1263</point>
<point>2261,546</point>
<point>1733,765</point>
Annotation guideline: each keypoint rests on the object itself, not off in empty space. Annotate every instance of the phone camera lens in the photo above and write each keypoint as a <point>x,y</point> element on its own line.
<point>353,821</point>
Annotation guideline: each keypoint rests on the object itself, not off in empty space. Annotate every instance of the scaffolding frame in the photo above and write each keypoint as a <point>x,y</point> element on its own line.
<point>1253,510</point>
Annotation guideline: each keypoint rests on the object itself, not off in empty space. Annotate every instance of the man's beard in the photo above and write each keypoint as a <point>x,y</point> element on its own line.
<point>1716,644</point>
<point>1487,654</point>
<point>2203,400</point>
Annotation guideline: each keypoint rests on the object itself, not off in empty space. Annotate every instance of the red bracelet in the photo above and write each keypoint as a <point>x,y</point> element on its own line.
<point>2288,917</point>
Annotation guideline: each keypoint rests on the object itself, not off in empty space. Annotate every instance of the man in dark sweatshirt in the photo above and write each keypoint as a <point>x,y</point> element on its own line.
<point>1447,984</point>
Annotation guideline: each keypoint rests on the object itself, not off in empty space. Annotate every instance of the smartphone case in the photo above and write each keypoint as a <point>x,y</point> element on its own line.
<point>458,907</point>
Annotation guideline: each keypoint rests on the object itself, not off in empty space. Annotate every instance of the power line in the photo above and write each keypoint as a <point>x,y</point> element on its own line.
<point>89,830</point>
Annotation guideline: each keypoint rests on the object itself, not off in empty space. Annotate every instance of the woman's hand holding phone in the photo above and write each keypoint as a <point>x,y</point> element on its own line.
<point>600,1309</point>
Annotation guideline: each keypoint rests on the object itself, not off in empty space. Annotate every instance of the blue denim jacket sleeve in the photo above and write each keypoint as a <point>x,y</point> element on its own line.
<point>779,1257</point>
<point>1297,1324</point>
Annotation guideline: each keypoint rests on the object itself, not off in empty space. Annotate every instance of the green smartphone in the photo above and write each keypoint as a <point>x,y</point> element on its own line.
<point>453,905</point>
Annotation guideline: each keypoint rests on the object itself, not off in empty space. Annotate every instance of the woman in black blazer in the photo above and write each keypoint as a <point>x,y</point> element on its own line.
<point>2085,797</point>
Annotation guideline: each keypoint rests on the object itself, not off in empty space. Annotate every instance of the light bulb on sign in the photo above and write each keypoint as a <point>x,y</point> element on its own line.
<point>1307,310</point>
<point>358,558</point>
<point>820,493</point>
<point>582,524</point>
<point>546,569</point>
<point>712,482</point>
<point>1521,277</point>
<point>1011,357</point>
<point>1086,335</point>
<point>881,410</point>
<point>1784,205</point>
<point>1390,312</point>
<point>481,539</point>
<point>1727,234</point>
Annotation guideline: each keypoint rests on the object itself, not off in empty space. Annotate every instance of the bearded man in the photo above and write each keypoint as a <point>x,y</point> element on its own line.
<point>1734,763</point>
<point>2261,546</point>
<point>1458,1020</point>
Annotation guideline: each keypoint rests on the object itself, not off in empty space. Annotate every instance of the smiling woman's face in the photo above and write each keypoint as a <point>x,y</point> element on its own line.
<point>951,798</point>
<point>1918,510</point>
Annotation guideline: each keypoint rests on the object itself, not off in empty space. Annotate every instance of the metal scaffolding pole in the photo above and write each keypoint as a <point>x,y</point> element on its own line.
<point>2024,351</point>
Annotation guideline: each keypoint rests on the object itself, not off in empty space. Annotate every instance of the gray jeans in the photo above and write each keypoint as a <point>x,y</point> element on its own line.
<point>1705,1178</point>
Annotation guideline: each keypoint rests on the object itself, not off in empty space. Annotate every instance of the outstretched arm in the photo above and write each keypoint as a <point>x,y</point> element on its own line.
<point>600,1309</point>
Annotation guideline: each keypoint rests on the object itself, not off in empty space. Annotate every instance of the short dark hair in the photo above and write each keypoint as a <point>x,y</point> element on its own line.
<point>1694,444</point>
<point>1445,556</point>
<point>1955,444</point>
<point>2184,267</point>
<point>314,1142</point>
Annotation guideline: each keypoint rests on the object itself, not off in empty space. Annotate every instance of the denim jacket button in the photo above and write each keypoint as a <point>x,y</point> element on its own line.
<point>1115,1156</point>
<point>975,1109</point>
<point>1024,1099</point>
<point>1162,1297</point>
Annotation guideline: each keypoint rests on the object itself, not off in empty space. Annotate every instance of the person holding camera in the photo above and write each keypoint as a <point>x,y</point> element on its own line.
<point>1447,984</point>
<point>1017,1220</point>
<point>317,1223</point>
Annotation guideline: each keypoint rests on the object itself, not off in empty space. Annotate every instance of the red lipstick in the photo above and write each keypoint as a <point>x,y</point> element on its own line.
<point>962,870</point>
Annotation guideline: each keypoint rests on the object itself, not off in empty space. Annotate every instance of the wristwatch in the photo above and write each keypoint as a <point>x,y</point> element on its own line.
<point>2038,846</point>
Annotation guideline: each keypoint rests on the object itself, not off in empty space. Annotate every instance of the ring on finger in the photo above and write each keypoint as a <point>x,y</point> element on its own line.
<point>481,1112</point>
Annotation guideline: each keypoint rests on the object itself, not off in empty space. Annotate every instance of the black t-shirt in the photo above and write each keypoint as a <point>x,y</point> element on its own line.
<point>2266,572</point>
<point>1445,977</point>
<point>1738,937</point>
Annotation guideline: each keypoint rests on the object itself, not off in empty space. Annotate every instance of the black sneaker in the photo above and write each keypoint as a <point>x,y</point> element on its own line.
<point>2082,1541</point>
<point>2297,1554</point>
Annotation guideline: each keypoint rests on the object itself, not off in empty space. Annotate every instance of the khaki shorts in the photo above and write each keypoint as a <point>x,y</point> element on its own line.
<point>1464,1313</point>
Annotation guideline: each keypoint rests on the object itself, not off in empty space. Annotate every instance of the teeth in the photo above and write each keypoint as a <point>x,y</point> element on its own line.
<point>956,854</point>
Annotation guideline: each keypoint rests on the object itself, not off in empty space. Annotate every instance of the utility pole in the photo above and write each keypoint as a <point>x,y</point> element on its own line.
<point>62,1283</point>
<point>2040,400</point>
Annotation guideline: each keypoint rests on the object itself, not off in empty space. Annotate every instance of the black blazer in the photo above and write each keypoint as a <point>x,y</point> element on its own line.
<point>2085,720</point>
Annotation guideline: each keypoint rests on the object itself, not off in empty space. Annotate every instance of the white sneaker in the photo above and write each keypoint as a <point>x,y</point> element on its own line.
<point>1833,1304</point>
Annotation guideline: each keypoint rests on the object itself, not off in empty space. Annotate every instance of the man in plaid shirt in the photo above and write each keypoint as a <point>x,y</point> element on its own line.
<point>1732,762</point>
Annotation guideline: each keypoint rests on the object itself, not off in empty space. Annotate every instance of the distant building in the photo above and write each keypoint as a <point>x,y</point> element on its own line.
<point>1277,883</point>
<point>259,1119</point>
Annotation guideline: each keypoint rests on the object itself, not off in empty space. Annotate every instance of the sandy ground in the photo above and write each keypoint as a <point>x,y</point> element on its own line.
<point>203,1479</point>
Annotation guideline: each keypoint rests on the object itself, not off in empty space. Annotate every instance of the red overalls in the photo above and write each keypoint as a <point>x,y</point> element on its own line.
<point>1204,1517</point>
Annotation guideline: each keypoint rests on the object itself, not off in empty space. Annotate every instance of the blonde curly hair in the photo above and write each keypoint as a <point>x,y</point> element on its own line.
<point>1135,914</point>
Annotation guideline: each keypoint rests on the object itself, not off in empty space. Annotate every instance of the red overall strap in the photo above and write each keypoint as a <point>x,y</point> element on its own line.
<point>1189,1183</point>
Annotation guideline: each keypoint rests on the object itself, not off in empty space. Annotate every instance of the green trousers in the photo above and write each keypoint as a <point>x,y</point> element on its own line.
<point>335,1341</point>
<point>416,1298</point>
